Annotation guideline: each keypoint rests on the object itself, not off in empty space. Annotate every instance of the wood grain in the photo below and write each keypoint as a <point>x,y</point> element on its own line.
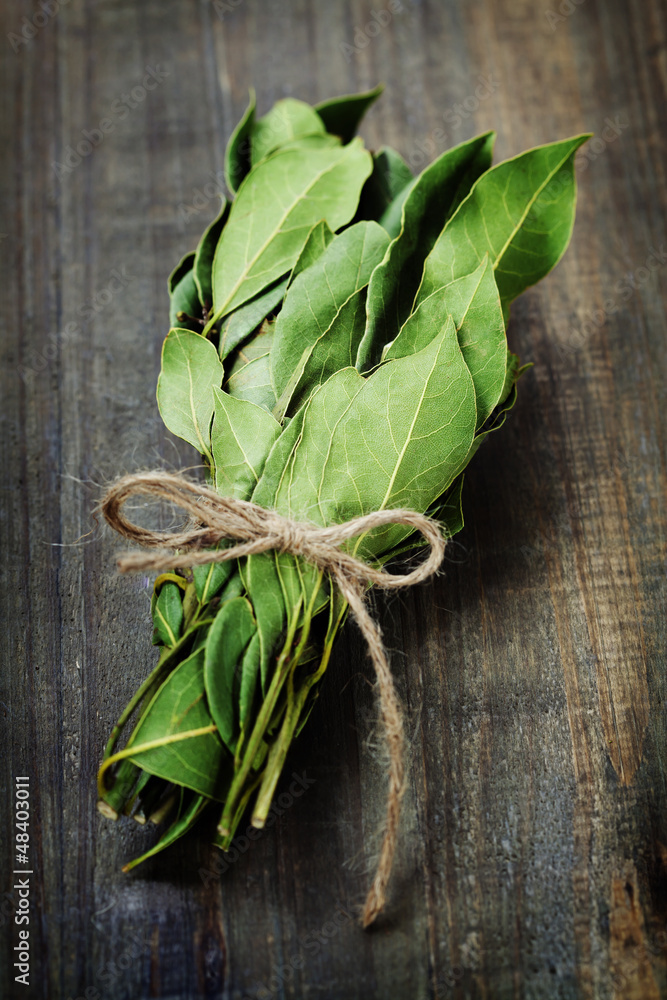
<point>533,859</point>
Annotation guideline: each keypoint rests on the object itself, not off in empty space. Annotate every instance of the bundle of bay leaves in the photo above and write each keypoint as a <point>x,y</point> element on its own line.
<point>338,347</point>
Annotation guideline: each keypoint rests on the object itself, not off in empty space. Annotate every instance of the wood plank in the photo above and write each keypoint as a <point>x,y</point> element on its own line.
<point>532,860</point>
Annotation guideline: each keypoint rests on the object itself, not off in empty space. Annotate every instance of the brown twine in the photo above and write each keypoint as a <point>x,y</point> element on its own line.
<point>217,517</point>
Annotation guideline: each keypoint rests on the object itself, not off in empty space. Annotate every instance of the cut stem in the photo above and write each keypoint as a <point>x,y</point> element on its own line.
<point>282,669</point>
<point>295,704</point>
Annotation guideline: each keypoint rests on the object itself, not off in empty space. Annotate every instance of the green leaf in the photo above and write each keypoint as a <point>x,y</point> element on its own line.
<point>342,115</point>
<point>245,320</point>
<point>265,594</point>
<point>287,120</point>
<point>480,158</point>
<point>184,301</point>
<point>301,582</point>
<point>229,635</point>
<point>203,262</point>
<point>179,706</point>
<point>250,671</point>
<point>190,371</point>
<point>315,306</point>
<point>252,382</point>
<point>295,490</point>
<point>278,461</point>
<point>474,304</point>
<point>308,142</point>
<point>335,349</point>
<point>520,212</point>
<point>399,441</point>
<point>390,178</point>
<point>329,404</point>
<point>168,614</point>
<point>392,217</point>
<point>241,438</point>
<point>249,371</point>
<point>318,240</point>
<point>182,268</point>
<point>237,154</point>
<point>208,579</point>
<point>162,578</point>
<point>427,207</point>
<point>277,205</point>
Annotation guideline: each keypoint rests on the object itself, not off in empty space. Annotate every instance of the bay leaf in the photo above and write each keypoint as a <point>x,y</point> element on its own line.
<point>308,142</point>
<point>314,301</point>
<point>233,628</point>
<point>447,509</point>
<point>342,115</point>
<point>399,440</point>
<point>168,614</point>
<point>190,371</point>
<point>288,119</point>
<point>237,154</point>
<point>265,594</point>
<point>506,404</point>
<point>184,302</point>
<point>520,212</point>
<point>203,261</point>
<point>279,586</point>
<point>331,401</point>
<point>248,366</point>
<point>318,240</point>
<point>430,200</point>
<point>242,436</point>
<point>335,349</point>
<point>247,318</point>
<point>282,574</point>
<point>274,212</point>
<point>209,578</point>
<point>179,706</point>
<point>250,673</point>
<point>473,302</point>
<point>278,461</point>
<point>242,322</point>
<point>182,268</point>
<point>390,177</point>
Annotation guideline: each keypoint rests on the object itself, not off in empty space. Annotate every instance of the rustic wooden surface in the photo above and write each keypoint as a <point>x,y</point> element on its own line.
<point>534,847</point>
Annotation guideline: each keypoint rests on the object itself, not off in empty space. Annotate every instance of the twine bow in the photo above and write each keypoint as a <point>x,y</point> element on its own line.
<point>259,530</point>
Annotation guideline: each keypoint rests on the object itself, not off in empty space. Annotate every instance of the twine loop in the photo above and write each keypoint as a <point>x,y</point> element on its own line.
<point>256,530</point>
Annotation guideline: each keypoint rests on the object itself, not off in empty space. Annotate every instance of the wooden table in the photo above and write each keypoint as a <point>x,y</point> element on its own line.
<point>534,845</point>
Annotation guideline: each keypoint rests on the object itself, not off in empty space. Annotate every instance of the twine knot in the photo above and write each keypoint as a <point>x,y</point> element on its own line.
<point>215,517</point>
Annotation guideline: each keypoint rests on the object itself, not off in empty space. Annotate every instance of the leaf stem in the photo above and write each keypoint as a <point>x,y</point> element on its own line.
<point>293,712</point>
<point>277,756</point>
<point>143,747</point>
<point>224,843</point>
<point>282,669</point>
